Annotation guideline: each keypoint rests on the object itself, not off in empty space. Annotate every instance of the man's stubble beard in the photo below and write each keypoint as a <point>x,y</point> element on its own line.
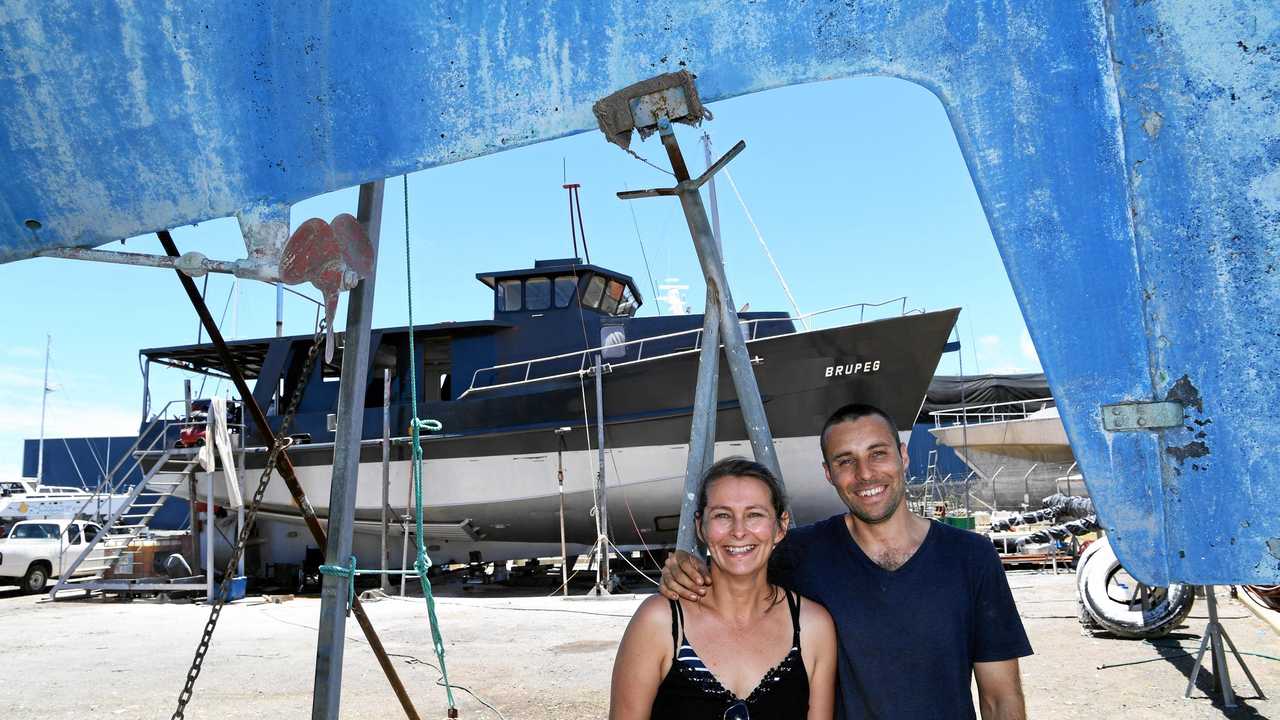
<point>899,490</point>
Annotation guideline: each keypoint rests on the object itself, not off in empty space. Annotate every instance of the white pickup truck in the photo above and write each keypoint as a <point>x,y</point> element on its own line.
<point>36,550</point>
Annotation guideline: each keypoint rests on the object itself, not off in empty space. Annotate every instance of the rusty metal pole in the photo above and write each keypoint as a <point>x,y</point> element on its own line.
<point>284,466</point>
<point>327,694</point>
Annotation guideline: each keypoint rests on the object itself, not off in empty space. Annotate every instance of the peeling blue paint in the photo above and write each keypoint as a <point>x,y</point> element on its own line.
<point>1127,156</point>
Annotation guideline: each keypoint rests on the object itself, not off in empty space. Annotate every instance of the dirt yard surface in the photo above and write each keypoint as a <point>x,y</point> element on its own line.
<point>527,655</point>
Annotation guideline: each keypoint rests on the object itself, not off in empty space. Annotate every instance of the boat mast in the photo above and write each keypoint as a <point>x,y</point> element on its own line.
<point>711,186</point>
<point>44,399</point>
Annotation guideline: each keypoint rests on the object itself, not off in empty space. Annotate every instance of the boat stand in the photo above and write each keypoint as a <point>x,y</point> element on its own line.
<point>652,106</point>
<point>1212,639</point>
<point>284,466</point>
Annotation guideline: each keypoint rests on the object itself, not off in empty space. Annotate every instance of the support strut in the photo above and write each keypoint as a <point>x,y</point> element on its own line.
<point>285,468</point>
<point>327,693</point>
<point>720,309</point>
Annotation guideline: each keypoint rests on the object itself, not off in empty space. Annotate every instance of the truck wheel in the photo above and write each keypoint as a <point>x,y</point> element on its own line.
<point>35,579</point>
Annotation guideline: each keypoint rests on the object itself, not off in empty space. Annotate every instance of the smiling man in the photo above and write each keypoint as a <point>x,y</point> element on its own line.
<point>920,607</point>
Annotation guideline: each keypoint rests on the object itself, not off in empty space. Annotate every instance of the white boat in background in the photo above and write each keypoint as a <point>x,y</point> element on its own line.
<point>25,499</point>
<point>1018,450</point>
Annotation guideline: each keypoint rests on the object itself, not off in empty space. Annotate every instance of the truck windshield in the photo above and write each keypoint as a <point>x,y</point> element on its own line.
<point>35,531</point>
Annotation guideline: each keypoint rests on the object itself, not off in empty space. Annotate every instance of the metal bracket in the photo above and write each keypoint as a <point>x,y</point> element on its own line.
<point>1127,417</point>
<point>688,185</point>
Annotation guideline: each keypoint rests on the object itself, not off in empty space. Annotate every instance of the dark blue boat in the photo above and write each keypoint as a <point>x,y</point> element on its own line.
<point>506,390</point>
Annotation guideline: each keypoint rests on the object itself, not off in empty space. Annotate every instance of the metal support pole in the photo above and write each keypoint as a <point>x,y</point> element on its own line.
<point>711,193</point>
<point>279,309</point>
<point>702,432</point>
<point>192,485</point>
<point>1026,487</point>
<point>240,476</point>
<point>564,552</point>
<point>44,399</point>
<point>146,390</point>
<point>193,533</point>
<point>386,475</point>
<point>208,537</point>
<point>327,695</point>
<point>602,498</point>
<point>735,346</point>
<point>995,505</point>
<point>284,467</point>
<point>404,535</point>
<point>719,307</point>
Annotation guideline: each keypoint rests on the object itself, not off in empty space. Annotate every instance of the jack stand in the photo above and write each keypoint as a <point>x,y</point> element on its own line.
<point>1214,635</point>
<point>653,106</point>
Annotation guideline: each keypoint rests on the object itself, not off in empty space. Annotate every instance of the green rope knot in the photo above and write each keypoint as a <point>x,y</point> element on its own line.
<point>428,424</point>
<point>347,571</point>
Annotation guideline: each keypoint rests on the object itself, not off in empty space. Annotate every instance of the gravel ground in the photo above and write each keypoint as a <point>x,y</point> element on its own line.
<point>527,655</point>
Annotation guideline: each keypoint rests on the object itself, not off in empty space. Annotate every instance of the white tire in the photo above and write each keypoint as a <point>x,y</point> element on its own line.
<point>1167,607</point>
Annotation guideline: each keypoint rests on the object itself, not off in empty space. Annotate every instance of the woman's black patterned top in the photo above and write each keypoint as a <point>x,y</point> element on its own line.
<point>691,692</point>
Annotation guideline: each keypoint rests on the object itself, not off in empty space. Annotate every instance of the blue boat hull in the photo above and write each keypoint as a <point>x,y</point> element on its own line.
<point>1127,156</point>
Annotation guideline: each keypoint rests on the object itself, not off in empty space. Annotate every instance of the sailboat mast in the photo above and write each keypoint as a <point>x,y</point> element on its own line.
<point>711,186</point>
<point>44,401</point>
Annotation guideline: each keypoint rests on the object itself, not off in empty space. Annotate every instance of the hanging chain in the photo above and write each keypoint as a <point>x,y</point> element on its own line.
<point>282,441</point>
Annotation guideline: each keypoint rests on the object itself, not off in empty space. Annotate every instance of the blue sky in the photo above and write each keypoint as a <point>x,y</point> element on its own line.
<point>858,186</point>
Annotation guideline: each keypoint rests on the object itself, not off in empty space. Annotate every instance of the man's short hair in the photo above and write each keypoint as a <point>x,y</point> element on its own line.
<point>852,413</point>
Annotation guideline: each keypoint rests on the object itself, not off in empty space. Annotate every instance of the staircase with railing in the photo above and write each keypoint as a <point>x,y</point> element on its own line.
<point>123,528</point>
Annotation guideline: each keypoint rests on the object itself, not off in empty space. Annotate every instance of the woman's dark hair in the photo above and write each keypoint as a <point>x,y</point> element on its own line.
<point>742,467</point>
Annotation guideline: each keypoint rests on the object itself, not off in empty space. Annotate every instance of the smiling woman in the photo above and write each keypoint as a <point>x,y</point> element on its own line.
<point>736,654</point>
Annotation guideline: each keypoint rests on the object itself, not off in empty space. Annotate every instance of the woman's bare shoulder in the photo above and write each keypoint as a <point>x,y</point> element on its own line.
<point>653,613</point>
<point>814,615</point>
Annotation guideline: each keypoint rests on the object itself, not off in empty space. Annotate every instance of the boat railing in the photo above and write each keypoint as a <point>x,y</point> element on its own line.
<point>113,481</point>
<point>526,370</point>
<point>990,412</point>
<point>153,439</point>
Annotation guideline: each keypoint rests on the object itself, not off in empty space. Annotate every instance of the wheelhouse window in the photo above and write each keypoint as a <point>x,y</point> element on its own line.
<point>595,289</point>
<point>627,304</point>
<point>537,293</point>
<point>565,287</point>
<point>613,294</point>
<point>509,295</point>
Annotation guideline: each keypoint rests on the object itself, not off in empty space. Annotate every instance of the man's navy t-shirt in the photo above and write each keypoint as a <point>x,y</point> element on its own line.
<point>908,638</point>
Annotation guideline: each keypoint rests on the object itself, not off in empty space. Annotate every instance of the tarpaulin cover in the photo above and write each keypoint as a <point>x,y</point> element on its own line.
<point>948,392</point>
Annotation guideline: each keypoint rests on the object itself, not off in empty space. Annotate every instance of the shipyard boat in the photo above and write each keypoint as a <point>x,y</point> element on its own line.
<point>1018,451</point>
<point>26,499</point>
<point>516,396</point>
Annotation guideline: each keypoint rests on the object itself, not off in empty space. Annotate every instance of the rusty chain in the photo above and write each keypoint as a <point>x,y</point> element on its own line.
<point>282,441</point>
